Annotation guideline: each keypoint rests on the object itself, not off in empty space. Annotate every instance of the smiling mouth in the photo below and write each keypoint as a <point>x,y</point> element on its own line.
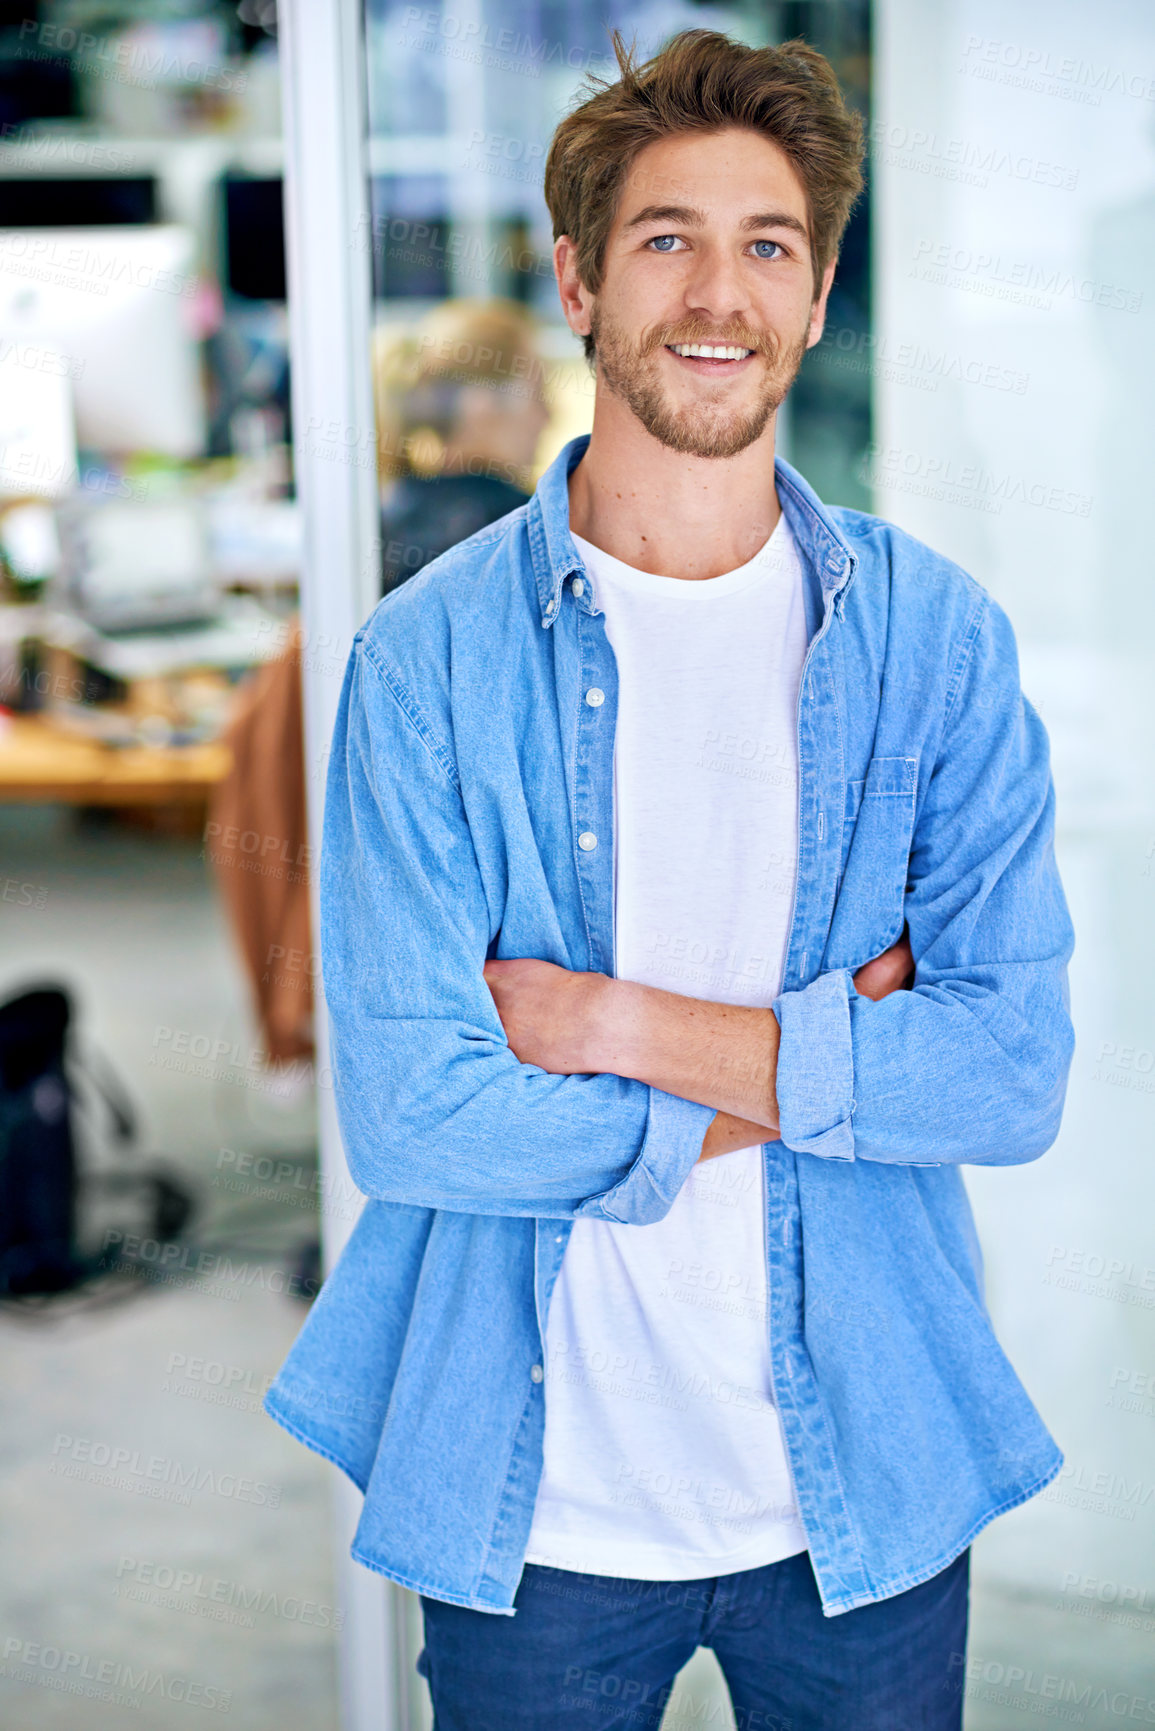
<point>712,356</point>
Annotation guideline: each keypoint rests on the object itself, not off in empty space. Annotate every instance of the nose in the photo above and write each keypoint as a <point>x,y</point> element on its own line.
<point>715,286</point>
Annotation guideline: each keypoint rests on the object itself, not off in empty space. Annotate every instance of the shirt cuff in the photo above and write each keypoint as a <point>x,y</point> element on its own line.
<point>815,1082</point>
<point>675,1130</point>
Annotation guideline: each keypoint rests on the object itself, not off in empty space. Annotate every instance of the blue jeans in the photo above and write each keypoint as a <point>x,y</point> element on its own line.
<point>602,1653</point>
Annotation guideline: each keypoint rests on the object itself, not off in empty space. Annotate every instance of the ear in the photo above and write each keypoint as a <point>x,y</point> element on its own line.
<point>576,302</point>
<point>818,310</point>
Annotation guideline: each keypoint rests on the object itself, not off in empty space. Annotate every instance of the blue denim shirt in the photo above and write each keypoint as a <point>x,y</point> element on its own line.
<point>465,765</point>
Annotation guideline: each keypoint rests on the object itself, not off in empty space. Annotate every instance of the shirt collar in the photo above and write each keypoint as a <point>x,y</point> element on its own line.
<point>556,559</point>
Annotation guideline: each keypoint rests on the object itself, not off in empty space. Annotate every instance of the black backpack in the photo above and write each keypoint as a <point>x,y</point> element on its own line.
<point>40,1186</point>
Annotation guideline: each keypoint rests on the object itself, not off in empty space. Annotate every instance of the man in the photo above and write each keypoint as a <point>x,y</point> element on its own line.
<point>664,1326</point>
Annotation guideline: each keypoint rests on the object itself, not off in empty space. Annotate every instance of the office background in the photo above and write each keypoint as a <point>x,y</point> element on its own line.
<point>212,219</point>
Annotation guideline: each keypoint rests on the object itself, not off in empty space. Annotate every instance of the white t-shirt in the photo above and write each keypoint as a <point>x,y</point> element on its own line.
<point>664,1457</point>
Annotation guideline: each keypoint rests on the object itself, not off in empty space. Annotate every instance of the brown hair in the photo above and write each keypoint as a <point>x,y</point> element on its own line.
<point>702,81</point>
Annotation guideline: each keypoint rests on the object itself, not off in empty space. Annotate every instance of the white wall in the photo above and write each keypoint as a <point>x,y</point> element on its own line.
<point>1015,245</point>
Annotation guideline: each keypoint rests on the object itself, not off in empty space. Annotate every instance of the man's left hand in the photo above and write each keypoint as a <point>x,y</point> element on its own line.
<point>548,1013</point>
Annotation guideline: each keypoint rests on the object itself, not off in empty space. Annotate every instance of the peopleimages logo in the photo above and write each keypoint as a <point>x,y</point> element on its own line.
<point>1101,1493</point>
<point>167,1262</point>
<point>117,1681</point>
<point>479,42</point>
<point>121,59</point>
<point>74,265</point>
<point>55,149</point>
<point>891,467</point>
<point>129,1469</point>
<point>1019,281</point>
<point>35,358</point>
<point>927,152</point>
<point>1099,1266</point>
<point>1109,1592</point>
<point>1006,1685</point>
<point>1024,66</point>
<point>198,1594</point>
<point>915,363</point>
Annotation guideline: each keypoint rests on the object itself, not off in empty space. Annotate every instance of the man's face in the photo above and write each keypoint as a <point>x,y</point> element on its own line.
<point>710,246</point>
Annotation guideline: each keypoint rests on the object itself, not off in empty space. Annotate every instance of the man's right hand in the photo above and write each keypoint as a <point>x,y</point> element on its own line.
<point>887,973</point>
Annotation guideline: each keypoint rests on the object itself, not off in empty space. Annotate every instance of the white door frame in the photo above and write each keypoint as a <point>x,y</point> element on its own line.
<point>329,276</point>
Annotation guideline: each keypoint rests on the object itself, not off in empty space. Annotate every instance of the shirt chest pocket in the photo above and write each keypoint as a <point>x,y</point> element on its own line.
<point>876,837</point>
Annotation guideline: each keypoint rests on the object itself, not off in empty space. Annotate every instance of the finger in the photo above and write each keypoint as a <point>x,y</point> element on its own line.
<point>868,984</point>
<point>873,973</point>
<point>881,976</point>
<point>897,952</point>
<point>895,962</point>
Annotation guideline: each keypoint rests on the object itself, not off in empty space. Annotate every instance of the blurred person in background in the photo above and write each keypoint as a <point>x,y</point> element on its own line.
<point>460,411</point>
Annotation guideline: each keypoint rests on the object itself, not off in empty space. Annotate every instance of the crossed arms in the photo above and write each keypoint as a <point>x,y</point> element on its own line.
<point>721,1055</point>
<point>442,1108</point>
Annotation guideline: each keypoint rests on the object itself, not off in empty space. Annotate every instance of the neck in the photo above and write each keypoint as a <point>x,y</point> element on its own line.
<point>667,513</point>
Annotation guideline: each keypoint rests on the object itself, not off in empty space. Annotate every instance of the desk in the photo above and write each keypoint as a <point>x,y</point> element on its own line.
<point>41,764</point>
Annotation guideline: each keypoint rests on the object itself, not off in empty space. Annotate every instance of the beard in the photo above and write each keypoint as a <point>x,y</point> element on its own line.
<point>706,429</point>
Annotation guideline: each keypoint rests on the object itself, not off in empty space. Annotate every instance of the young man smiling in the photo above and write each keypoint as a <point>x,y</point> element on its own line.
<point>663,1325</point>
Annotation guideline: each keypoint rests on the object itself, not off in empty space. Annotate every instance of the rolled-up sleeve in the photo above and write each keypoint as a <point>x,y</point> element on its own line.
<point>816,1068</point>
<point>675,1129</point>
<point>971,1064</point>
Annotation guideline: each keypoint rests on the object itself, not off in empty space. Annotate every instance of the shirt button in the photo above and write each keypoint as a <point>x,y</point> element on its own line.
<point>587,841</point>
<point>594,697</point>
<point>579,587</point>
<point>537,1374</point>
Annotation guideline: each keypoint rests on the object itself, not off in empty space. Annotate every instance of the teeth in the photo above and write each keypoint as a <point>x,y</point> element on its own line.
<point>705,352</point>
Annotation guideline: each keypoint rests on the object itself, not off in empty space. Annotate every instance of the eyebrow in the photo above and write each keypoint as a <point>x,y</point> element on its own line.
<point>689,217</point>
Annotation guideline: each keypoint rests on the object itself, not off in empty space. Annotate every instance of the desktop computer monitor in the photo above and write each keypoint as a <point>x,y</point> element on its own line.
<point>116,304</point>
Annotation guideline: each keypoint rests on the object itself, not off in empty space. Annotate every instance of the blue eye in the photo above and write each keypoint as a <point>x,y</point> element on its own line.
<point>659,241</point>
<point>771,243</point>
